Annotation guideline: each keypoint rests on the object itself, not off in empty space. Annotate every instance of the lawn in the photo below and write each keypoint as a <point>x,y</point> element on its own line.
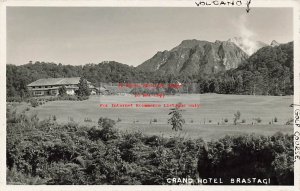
<point>207,121</point>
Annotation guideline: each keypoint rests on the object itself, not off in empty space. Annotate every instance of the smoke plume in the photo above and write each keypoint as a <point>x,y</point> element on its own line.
<point>246,40</point>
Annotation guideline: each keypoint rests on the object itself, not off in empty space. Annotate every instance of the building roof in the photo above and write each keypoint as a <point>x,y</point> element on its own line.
<point>55,81</point>
<point>43,89</point>
<point>101,89</point>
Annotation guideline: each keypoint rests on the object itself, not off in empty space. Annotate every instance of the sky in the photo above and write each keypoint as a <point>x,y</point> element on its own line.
<point>81,35</point>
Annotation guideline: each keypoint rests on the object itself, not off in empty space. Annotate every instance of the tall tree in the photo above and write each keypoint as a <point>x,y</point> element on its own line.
<point>62,91</point>
<point>83,88</point>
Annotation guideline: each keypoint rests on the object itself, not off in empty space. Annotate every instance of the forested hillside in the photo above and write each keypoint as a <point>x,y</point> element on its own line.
<point>17,77</point>
<point>269,71</point>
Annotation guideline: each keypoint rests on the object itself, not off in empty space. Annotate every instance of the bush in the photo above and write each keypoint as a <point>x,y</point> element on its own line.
<point>34,103</point>
<point>15,177</point>
<point>209,121</point>
<point>62,91</point>
<point>237,116</point>
<point>81,98</point>
<point>108,130</point>
<point>71,119</point>
<point>290,122</point>
<point>154,120</point>
<point>243,120</point>
<point>67,97</point>
<point>253,155</point>
<point>225,120</point>
<point>87,120</point>
<point>258,119</point>
<point>275,120</point>
<point>14,99</point>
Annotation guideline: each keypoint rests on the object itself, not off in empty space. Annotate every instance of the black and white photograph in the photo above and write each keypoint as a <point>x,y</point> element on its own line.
<point>194,95</point>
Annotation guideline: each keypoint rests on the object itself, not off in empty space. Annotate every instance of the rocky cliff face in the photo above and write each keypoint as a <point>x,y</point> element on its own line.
<point>274,43</point>
<point>194,57</point>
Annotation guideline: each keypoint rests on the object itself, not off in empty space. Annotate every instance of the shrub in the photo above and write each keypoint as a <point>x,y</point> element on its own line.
<point>62,91</point>
<point>34,103</point>
<point>15,177</point>
<point>119,119</point>
<point>209,121</point>
<point>258,119</point>
<point>275,120</point>
<point>256,155</point>
<point>108,130</point>
<point>81,98</point>
<point>14,99</point>
<point>225,120</point>
<point>290,122</point>
<point>105,122</point>
<point>87,120</point>
<point>243,120</point>
<point>237,116</point>
<point>71,119</point>
<point>154,120</point>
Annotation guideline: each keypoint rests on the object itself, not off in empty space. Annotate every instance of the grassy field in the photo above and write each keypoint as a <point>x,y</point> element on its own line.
<point>208,121</point>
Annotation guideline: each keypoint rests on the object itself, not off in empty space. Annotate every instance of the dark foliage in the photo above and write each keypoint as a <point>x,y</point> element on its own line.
<point>249,156</point>
<point>62,91</point>
<point>45,152</point>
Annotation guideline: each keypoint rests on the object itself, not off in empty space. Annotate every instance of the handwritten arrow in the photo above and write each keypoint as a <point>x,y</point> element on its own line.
<point>248,6</point>
<point>292,105</point>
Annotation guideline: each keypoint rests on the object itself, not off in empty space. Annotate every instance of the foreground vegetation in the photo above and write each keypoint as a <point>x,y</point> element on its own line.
<point>45,152</point>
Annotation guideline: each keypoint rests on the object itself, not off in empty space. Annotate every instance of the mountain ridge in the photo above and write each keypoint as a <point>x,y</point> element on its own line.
<point>194,56</point>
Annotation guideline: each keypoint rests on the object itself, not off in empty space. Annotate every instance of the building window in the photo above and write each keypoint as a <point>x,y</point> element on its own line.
<point>38,93</point>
